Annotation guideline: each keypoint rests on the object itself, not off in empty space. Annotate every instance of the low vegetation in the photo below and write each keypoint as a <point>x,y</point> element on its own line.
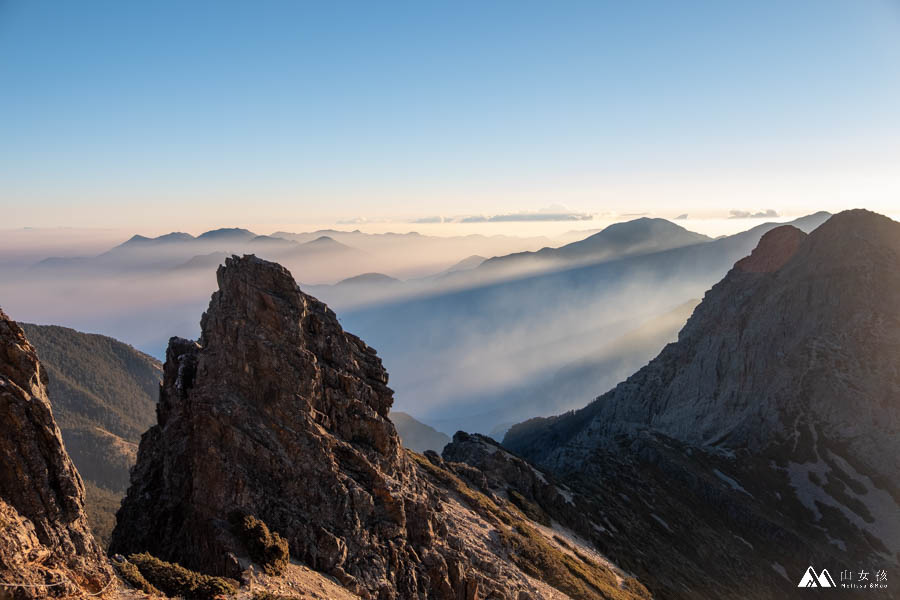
<point>270,596</point>
<point>583,579</point>
<point>130,573</point>
<point>529,508</point>
<point>174,580</point>
<point>266,548</point>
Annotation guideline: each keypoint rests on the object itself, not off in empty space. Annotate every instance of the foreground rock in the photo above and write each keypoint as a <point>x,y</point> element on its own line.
<point>762,441</point>
<point>46,546</point>
<point>104,396</point>
<point>278,413</point>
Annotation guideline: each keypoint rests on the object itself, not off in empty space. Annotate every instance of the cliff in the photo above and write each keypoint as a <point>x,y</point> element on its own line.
<point>46,547</point>
<point>278,413</point>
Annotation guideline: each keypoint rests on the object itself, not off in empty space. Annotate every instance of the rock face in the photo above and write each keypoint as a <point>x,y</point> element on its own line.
<point>768,432</point>
<point>45,536</point>
<point>104,397</point>
<point>803,331</point>
<point>534,491</point>
<point>279,413</point>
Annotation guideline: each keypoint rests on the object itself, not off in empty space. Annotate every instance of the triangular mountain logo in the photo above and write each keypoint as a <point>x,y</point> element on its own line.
<point>810,579</point>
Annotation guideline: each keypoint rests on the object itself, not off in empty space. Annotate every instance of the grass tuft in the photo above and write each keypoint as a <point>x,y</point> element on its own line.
<point>266,548</point>
<point>271,596</point>
<point>130,573</point>
<point>529,508</point>
<point>175,580</point>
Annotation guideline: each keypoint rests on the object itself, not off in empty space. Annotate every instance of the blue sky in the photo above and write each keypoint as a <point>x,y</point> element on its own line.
<point>193,114</point>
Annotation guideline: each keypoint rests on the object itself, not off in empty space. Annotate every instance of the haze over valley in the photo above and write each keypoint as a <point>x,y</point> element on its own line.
<point>481,310</point>
<point>475,329</point>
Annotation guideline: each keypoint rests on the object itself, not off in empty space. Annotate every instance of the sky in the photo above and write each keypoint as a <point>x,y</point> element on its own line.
<point>444,116</point>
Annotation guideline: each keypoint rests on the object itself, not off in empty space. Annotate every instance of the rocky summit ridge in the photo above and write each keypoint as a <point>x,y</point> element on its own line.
<point>46,546</point>
<point>803,332</point>
<point>767,433</point>
<point>278,413</point>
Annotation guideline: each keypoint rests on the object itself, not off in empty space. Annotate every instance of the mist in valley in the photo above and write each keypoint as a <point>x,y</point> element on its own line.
<point>145,290</point>
<point>470,343</point>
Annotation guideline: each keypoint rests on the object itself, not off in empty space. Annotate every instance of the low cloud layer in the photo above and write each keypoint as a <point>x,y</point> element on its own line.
<point>520,217</point>
<point>745,214</point>
<point>552,213</point>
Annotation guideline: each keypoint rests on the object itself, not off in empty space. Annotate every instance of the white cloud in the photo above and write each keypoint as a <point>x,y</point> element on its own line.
<point>745,214</point>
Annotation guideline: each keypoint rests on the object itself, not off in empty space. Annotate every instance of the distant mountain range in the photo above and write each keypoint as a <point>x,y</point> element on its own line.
<point>320,257</point>
<point>368,279</point>
<point>323,248</point>
<point>183,251</point>
<point>630,238</point>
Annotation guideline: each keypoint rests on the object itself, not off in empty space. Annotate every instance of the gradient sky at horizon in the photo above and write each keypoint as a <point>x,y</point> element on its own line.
<point>191,115</point>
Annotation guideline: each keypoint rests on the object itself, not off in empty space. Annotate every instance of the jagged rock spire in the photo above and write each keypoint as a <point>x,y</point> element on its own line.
<point>279,413</point>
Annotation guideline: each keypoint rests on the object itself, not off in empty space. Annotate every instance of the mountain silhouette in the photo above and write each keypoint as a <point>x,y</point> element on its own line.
<point>630,238</point>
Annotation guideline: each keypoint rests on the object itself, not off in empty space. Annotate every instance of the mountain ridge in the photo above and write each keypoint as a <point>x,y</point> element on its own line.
<point>772,418</point>
<point>782,254</point>
<point>628,238</point>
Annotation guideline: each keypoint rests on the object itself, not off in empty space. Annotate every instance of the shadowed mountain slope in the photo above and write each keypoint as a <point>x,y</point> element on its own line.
<point>768,432</point>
